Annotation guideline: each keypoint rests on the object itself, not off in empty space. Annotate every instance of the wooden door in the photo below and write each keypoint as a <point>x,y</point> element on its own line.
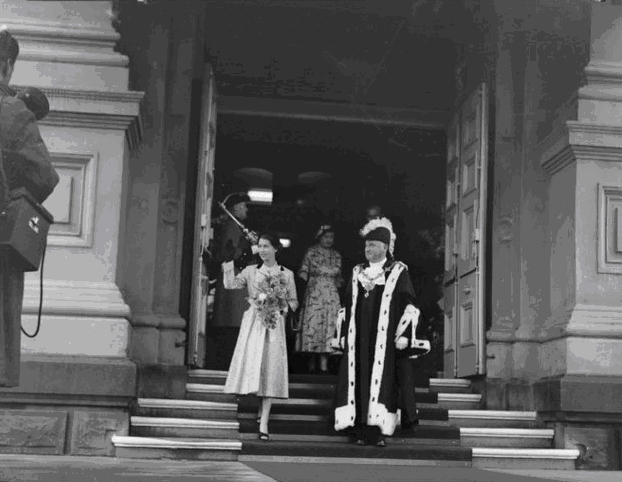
<point>465,225</point>
<point>202,223</point>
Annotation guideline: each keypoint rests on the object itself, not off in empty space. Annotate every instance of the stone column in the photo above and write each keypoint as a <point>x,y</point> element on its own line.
<point>506,192</point>
<point>581,342</point>
<point>66,48</point>
<point>584,159</point>
<point>163,42</point>
<point>80,357</point>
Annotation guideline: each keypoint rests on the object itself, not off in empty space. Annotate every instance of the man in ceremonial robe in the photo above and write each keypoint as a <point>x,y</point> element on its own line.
<point>24,163</point>
<point>376,331</point>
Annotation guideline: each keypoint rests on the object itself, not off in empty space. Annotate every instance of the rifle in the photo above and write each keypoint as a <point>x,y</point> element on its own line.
<point>250,235</point>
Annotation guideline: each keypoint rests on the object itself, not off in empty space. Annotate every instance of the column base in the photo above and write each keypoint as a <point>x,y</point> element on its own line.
<point>67,405</point>
<point>78,318</point>
<point>574,355</point>
<point>584,410</point>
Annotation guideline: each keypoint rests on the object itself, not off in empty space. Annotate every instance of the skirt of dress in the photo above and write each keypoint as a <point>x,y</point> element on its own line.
<point>259,363</point>
<point>318,316</point>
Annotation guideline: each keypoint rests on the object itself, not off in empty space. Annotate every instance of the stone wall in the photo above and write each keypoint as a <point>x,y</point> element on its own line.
<point>76,380</point>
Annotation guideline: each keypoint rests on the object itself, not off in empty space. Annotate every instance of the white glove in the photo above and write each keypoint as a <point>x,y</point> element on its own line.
<point>401,343</point>
<point>338,345</point>
<point>255,249</point>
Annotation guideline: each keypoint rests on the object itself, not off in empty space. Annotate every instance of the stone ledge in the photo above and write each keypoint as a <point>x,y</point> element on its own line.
<point>162,381</point>
<point>80,377</point>
<point>579,394</point>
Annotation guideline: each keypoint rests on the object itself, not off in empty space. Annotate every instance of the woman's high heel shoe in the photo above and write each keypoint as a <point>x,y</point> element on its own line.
<point>264,437</point>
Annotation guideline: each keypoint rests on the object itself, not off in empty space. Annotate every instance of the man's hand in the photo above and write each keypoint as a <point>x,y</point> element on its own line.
<point>401,343</point>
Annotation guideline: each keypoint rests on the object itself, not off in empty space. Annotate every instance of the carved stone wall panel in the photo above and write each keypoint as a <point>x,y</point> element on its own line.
<point>610,229</point>
<point>73,201</point>
<point>32,432</point>
<point>91,431</point>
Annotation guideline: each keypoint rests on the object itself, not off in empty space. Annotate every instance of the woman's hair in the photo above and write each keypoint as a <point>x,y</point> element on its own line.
<point>273,239</point>
<point>9,47</point>
<point>324,228</point>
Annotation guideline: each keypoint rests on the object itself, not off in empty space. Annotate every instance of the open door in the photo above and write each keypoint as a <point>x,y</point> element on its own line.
<point>465,241</point>
<point>202,223</point>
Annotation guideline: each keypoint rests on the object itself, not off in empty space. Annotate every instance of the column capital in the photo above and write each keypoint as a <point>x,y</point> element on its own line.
<point>580,141</point>
<point>66,45</point>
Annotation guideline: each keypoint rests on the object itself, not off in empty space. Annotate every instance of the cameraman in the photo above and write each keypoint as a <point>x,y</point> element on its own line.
<point>24,163</point>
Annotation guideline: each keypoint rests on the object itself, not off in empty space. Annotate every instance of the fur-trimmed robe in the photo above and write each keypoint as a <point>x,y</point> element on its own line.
<point>393,315</point>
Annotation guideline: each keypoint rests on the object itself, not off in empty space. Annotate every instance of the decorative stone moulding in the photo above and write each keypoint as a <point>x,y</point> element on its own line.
<point>70,54</point>
<point>580,141</point>
<point>73,200</point>
<point>601,72</point>
<point>96,110</point>
<point>610,229</point>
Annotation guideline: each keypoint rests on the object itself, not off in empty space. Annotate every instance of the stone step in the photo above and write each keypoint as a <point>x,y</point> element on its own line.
<point>317,406</point>
<point>195,409</point>
<point>435,385</point>
<point>506,437</point>
<point>432,454</point>
<point>469,437</point>
<point>428,417</point>
<point>209,393</point>
<point>323,431</point>
<point>493,418</point>
<point>183,428</point>
<point>344,439</point>
<point>176,448</point>
<point>215,392</point>
<point>455,401</point>
<point>524,458</point>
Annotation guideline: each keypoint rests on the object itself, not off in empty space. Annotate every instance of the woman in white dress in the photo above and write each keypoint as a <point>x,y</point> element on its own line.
<point>259,362</point>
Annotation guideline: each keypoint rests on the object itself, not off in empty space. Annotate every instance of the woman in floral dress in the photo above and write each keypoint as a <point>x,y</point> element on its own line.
<point>321,269</point>
<point>259,363</point>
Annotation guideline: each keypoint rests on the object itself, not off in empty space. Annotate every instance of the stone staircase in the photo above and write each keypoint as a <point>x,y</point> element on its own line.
<point>454,430</point>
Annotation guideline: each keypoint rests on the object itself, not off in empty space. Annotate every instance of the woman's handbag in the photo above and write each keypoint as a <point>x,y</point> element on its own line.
<point>24,226</point>
<point>293,322</point>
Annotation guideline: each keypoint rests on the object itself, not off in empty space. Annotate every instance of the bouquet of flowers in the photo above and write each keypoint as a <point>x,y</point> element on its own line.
<point>271,299</point>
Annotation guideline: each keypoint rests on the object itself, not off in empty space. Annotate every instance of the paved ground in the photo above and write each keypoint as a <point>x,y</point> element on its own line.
<point>103,469</point>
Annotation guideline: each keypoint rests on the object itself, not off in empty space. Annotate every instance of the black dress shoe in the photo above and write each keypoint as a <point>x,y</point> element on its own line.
<point>360,441</point>
<point>381,442</point>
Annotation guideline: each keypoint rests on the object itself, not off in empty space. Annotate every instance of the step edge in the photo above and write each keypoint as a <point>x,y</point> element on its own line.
<point>353,460</point>
<point>183,403</point>
<point>459,397</point>
<point>206,388</point>
<point>507,432</point>
<point>494,414</point>
<point>139,421</point>
<point>152,442</point>
<point>521,453</point>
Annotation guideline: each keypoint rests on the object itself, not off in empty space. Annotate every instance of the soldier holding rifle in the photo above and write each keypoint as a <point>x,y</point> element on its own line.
<point>237,244</point>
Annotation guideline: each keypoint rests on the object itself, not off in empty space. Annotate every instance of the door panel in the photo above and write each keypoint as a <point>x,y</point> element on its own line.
<point>465,223</point>
<point>449,358</point>
<point>467,328</point>
<point>202,231</point>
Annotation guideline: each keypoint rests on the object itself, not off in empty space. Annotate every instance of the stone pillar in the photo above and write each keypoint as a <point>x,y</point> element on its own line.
<point>584,160</point>
<point>164,44</point>
<point>581,342</point>
<point>80,357</point>
<point>505,243</point>
<point>539,63</point>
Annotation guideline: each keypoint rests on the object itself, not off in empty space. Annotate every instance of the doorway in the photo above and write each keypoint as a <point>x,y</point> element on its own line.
<point>330,172</point>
